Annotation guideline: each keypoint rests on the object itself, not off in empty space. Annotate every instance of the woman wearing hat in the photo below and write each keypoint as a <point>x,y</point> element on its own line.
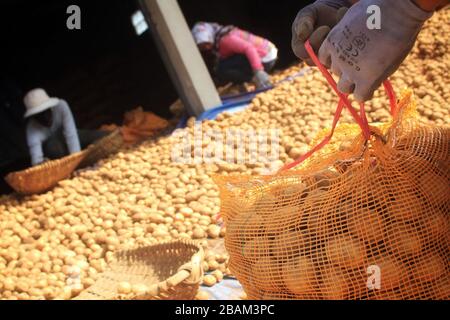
<point>235,55</point>
<point>51,131</point>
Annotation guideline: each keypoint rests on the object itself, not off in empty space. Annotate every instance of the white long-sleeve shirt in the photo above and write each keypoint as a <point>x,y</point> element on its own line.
<point>37,134</point>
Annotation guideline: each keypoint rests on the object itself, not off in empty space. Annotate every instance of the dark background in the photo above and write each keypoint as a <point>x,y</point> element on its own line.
<point>105,69</point>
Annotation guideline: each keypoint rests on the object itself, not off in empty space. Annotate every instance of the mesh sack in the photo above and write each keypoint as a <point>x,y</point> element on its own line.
<point>356,206</point>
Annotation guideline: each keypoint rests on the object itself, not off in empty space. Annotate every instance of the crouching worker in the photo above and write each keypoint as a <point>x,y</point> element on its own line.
<point>51,131</point>
<point>234,55</point>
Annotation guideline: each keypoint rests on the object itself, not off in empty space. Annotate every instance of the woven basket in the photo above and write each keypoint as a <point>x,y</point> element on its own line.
<point>171,271</point>
<point>43,177</point>
<point>103,148</point>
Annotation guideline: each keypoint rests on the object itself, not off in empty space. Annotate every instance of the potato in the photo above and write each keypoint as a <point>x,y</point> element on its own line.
<point>428,268</point>
<point>139,289</point>
<point>265,205</point>
<point>442,288</point>
<point>266,275</point>
<point>213,265</point>
<point>256,249</point>
<point>335,285</point>
<point>218,274</point>
<point>388,296</point>
<point>282,220</point>
<point>209,280</point>
<point>435,187</point>
<point>435,227</point>
<point>202,295</point>
<point>406,206</point>
<point>287,245</point>
<point>124,288</point>
<point>393,272</point>
<point>299,275</point>
<point>366,225</point>
<point>289,191</point>
<point>324,179</point>
<point>214,231</point>
<point>404,240</point>
<point>345,252</point>
<point>198,233</point>
<point>244,227</point>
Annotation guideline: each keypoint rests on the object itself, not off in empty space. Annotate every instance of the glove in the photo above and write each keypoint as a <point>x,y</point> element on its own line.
<point>314,22</point>
<point>262,80</point>
<point>364,58</point>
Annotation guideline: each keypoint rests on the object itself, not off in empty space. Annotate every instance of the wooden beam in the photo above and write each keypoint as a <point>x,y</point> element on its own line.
<point>181,55</point>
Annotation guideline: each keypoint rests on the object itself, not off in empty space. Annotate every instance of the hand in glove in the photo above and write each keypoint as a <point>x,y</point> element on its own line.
<point>314,22</point>
<point>364,58</point>
<point>262,80</point>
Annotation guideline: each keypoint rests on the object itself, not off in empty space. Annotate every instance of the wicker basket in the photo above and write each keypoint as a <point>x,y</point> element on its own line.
<point>171,271</point>
<point>103,148</point>
<point>43,177</point>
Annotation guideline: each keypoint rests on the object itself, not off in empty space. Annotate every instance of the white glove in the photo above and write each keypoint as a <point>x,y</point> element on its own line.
<point>364,58</point>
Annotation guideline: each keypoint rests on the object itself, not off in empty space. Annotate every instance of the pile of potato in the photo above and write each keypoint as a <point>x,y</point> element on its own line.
<point>140,197</point>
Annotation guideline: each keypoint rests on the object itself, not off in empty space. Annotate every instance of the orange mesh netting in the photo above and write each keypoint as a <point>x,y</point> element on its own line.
<point>357,205</point>
<point>139,125</point>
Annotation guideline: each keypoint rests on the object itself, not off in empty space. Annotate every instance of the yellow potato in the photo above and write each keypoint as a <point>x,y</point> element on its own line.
<point>209,280</point>
<point>335,285</point>
<point>435,227</point>
<point>202,295</point>
<point>256,249</point>
<point>287,245</point>
<point>266,275</point>
<point>282,220</point>
<point>345,252</point>
<point>428,268</point>
<point>299,275</point>
<point>366,225</point>
<point>404,240</point>
<point>435,187</point>
<point>393,272</point>
<point>124,288</point>
<point>406,206</point>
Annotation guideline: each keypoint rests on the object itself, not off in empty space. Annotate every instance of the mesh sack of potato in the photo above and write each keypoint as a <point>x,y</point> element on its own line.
<point>314,232</point>
<point>365,215</point>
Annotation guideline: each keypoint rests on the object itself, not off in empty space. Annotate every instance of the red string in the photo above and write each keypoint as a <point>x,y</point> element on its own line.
<point>365,128</point>
<point>360,119</point>
<point>392,98</point>
<point>324,142</point>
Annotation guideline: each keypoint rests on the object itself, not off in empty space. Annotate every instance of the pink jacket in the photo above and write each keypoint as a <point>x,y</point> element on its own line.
<point>242,42</point>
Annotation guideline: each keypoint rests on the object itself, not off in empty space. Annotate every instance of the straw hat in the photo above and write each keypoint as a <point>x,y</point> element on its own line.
<point>37,101</point>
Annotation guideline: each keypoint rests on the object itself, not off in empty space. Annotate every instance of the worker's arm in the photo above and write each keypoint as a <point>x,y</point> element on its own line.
<point>234,44</point>
<point>431,5</point>
<point>364,57</point>
<point>69,128</point>
<point>34,144</point>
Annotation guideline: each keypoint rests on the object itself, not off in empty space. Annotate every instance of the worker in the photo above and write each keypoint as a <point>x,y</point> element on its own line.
<point>234,55</point>
<point>360,54</point>
<point>50,130</point>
